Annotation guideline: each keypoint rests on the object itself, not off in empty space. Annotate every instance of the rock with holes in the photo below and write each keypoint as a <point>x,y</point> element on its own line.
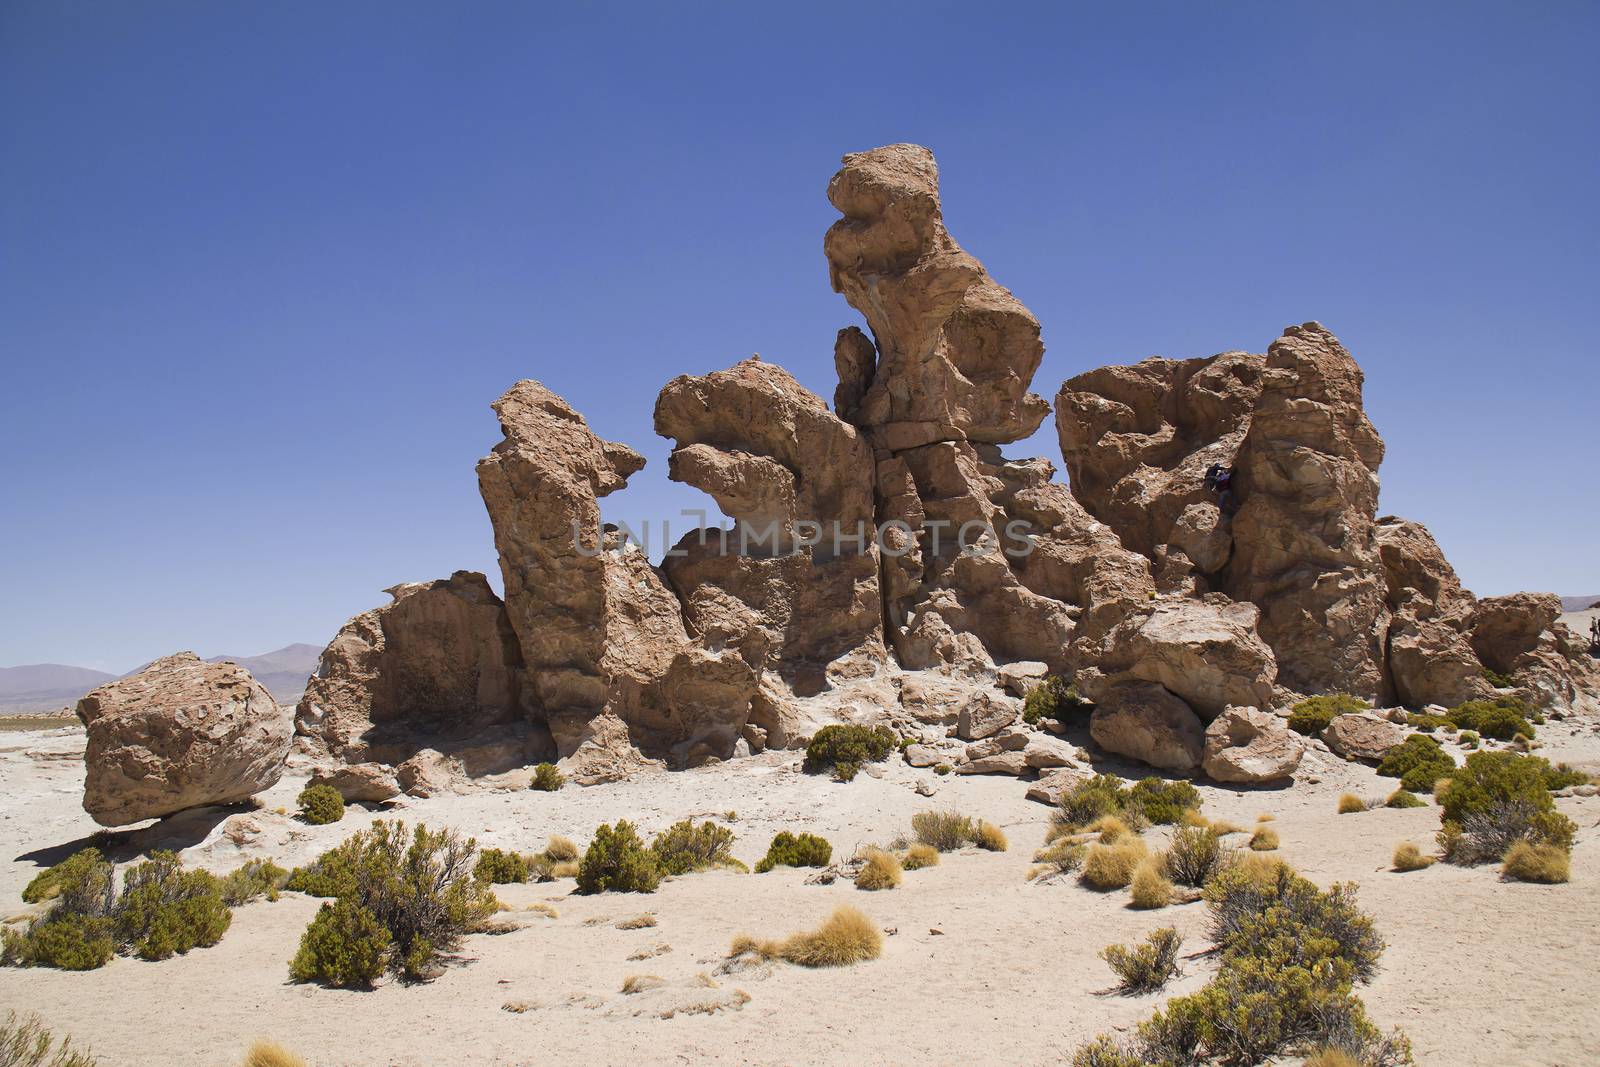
<point>1250,747</point>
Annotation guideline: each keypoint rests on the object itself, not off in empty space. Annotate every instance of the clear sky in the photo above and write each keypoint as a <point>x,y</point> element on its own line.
<point>264,266</point>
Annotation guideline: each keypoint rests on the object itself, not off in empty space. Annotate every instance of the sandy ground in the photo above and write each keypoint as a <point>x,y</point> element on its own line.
<point>1478,971</point>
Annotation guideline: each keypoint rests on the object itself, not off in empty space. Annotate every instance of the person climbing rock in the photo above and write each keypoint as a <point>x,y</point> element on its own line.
<point>1219,479</point>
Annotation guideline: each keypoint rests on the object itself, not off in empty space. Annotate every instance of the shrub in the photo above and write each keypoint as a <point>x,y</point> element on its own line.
<point>1265,839</point>
<point>547,778</point>
<point>1150,887</point>
<point>881,870</point>
<point>24,1042</point>
<point>252,879</point>
<point>165,910</point>
<point>1350,804</point>
<point>320,804</point>
<point>845,747</point>
<point>264,1053</point>
<point>345,946</point>
<point>846,937</point>
<point>1528,862</point>
<point>499,867</point>
<point>795,850</point>
<point>942,768</point>
<point>919,856</point>
<point>989,837</point>
<point>1429,723</point>
<point>617,861</point>
<point>69,874</point>
<point>1087,801</point>
<point>67,940</point>
<point>1498,679</point>
<point>1060,857</point>
<point>1402,798</point>
<point>1469,739</point>
<point>1160,801</point>
<point>1107,867</point>
<point>1053,698</point>
<point>1562,775</point>
<point>1496,799</point>
<point>1502,718</point>
<point>684,847</point>
<point>1195,855</point>
<point>1418,762</point>
<point>944,830</point>
<point>1310,717</point>
<point>1105,1051</point>
<point>1110,828</point>
<point>1408,857</point>
<point>1145,968</point>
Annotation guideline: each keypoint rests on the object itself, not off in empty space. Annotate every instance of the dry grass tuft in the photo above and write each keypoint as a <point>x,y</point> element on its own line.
<point>1151,887</point>
<point>1408,857</point>
<point>990,837</point>
<point>517,1007</point>
<point>919,856</point>
<point>1192,817</point>
<point>881,870</point>
<point>1265,839</point>
<point>541,908</point>
<point>565,869</point>
<point>1108,867</point>
<point>638,983</point>
<point>266,1053</point>
<point>638,922</point>
<point>1350,804</point>
<point>1331,1057</point>
<point>658,949</point>
<point>1266,816</point>
<point>944,830</point>
<point>562,850</point>
<point>846,937</point>
<point>1527,862</point>
<point>1222,827</point>
<point>1110,828</point>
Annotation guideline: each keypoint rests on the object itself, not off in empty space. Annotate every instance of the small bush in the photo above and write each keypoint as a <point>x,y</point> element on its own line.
<point>264,1053</point>
<point>1350,804</point>
<point>1145,968</point>
<point>1106,1051</point>
<point>1495,800</point>
<point>561,850</point>
<point>881,870</point>
<point>345,947</point>
<point>989,837</point>
<point>845,747</point>
<point>1418,762</point>
<point>165,910</point>
<point>1429,723</point>
<point>547,778</point>
<point>1402,798</point>
<point>1528,862</point>
<point>1107,867</point>
<point>795,850</point>
<point>1053,698</point>
<point>1151,887</point>
<point>1502,718</point>
<point>1311,717</point>
<point>1195,856</point>
<point>69,875</point>
<point>320,805</point>
<point>252,879</point>
<point>24,1042</point>
<point>920,855</point>
<point>66,940</point>
<point>684,847</point>
<point>942,768</point>
<point>1498,679</point>
<point>846,937</point>
<point>944,830</point>
<point>1060,857</point>
<point>617,861</point>
<point>1162,802</point>
<point>1408,857</point>
<point>1265,839</point>
<point>499,867</point>
<point>1469,739</point>
<point>1110,828</point>
<point>1087,801</point>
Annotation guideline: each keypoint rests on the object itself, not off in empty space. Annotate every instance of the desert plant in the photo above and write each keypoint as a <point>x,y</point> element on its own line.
<point>1145,968</point>
<point>1429,723</point>
<point>1469,738</point>
<point>1195,855</point>
<point>1310,717</point>
<point>1495,800</point>
<point>879,870</point>
<point>989,837</point>
<point>561,850</point>
<point>1107,867</point>
<point>82,868</point>
<point>1502,718</point>
<point>1160,801</point>
<point>1402,798</point>
<point>1408,857</point>
<point>1528,862</point>
<point>845,937</point>
<point>25,1042</point>
<point>944,830</point>
<point>684,847</point>
<point>1053,698</point>
<point>1105,1051</point>
<point>1087,801</point>
<point>1265,839</point>
<point>547,778</point>
<point>844,747</point>
<point>265,1053</point>
<point>66,940</point>
<point>1059,857</point>
<point>1418,762</point>
<point>795,850</point>
<point>345,947</point>
<point>1150,888</point>
<point>942,768</point>
<point>617,861</point>
<point>1350,804</point>
<point>165,910</point>
<point>252,879</point>
<point>499,867</point>
<point>920,855</point>
<point>1110,828</point>
<point>320,805</point>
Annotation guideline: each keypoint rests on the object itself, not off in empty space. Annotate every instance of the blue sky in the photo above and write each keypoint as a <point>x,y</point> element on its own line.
<point>263,267</point>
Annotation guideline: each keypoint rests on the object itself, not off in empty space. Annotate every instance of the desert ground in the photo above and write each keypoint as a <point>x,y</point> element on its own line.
<point>980,964</point>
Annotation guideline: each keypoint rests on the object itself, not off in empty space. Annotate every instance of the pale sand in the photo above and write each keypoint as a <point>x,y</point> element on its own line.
<point>1478,971</point>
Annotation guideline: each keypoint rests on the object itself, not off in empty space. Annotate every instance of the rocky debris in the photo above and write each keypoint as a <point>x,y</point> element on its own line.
<point>1144,721</point>
<point>1020,678</point>
<point>600,631</point>
<point>182,733</point>
<point>1249,747</point>
<point>439,661</point>
<point>1013,762</point>
<point>368,782</point>
<point>1206,652</point>
<point>1050,786</point>
<point>1362,736</point>
<point>986,712</point>
<point>928,756</point>
<point>1011,739</point>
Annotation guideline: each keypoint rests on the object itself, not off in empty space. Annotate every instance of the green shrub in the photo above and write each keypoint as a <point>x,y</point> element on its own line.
<point>345,946</point>
<point>252,879</point>
<point>24,1042</point>
<point>1311,717</point>
<point>1145,968</point>
<point>845,747</point>
<point>1502,718</point>
<point>944,830</point>
<point>617,861</point>
<point>942,768</point>
<point>1402,798</point>
<point>1469,739</point>
<point>547,778</point>
<point>1499,680</point>
<point>1562,775</point>
<point>499,867</point>
<point>1053,698</point>
<point>69,941</point>
<point>1195,856</point>
<point>320,805</point>
<point>1496,800</point>
<point>684,847</point>
<point>332,874</point>
<point>1160,801</point>
<point>1418,762</point>
<point>70,873</point>
<point>1087,801</point>
<point>165,910</point>
<point>795,850</point>
<point>1429,723</point>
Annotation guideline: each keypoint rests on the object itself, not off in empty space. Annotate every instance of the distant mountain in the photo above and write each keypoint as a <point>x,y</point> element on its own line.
<point>49,686</point>
<point>1580,603</point>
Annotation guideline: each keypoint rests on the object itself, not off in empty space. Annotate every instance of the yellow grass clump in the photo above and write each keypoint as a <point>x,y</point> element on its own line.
<point>541,908</point>
<point>1349,804</point>
<point>1151,887</point>
<point>561,850</point>
<point>1331,1057</point>
<point>1266,816</point>
<point>1222,827</point>
<point>1110,828</point>
<point>1527,862</point>
<point>1113,866</point>
<point>1265,839</point>
<point>568,869</point>
<point>881,870</point>
<point>265,1053</point>
<point>990,837</point>
<point>638,922</point>
<point>1192,817</point>
<point>638,983</point>
<point>1408,857</point>
<point>847,937</point>
<point>919,856</point>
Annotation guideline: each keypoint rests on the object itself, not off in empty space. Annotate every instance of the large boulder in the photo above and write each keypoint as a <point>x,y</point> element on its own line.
<point>440,661</point>
<point>1362,736</point>
<point>1249,747</point>
<point>985,713</point>
<point>1519,635</point>
<point>1431,660</point>
<point>182,733</point>
<point>1143,721</point>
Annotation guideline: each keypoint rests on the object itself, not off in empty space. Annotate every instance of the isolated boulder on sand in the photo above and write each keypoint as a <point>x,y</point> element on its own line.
<point>182,733</point>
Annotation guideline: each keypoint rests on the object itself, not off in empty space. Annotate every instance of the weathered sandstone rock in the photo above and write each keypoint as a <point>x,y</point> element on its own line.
<point>1050,786</point>
<point>181,733</point>
<point>1362,736</point>
<point>369,782</point>
<point>1246,746</point>
<point>1430,657</point>
<point>985,713</point>
<point>1020,678</point>
<point>1519,635</point>
<point>1143,721</point>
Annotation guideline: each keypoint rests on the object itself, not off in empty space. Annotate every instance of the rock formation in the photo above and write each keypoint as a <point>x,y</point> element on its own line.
<point>1250,747</point>
<point>181,733</point>
<point>1431,660</point>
